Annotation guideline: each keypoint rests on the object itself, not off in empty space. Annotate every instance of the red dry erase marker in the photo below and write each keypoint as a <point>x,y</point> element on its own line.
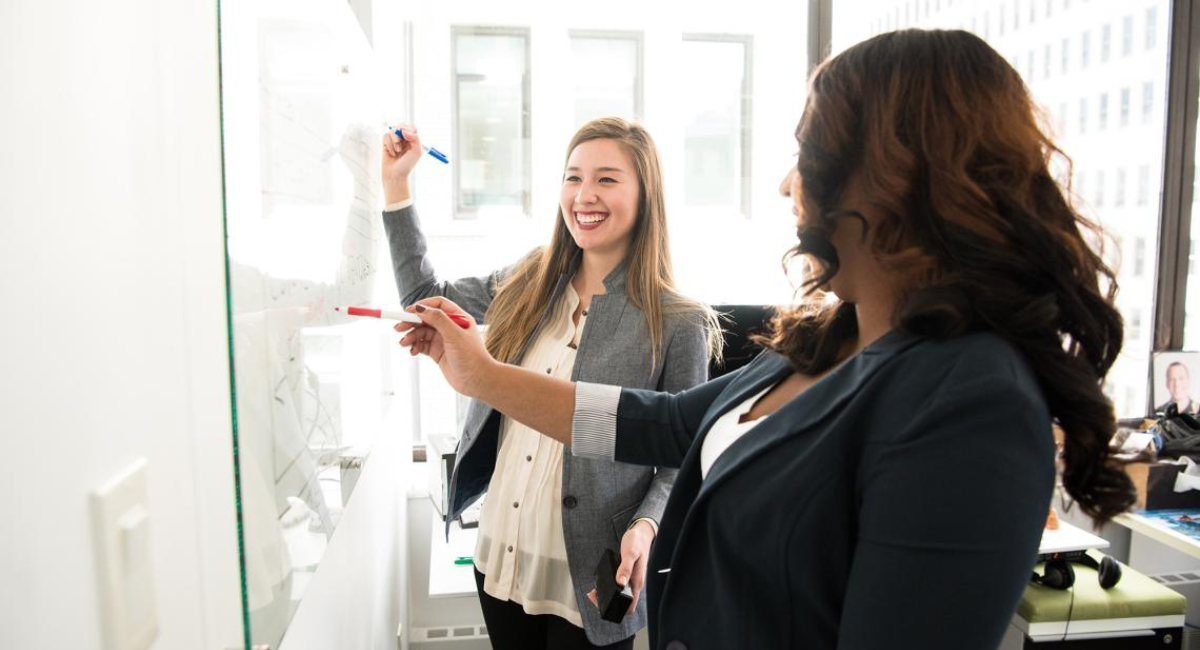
<point>461,320</point>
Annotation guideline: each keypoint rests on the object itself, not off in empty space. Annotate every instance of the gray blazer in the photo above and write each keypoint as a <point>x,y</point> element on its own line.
<point>600,498</point>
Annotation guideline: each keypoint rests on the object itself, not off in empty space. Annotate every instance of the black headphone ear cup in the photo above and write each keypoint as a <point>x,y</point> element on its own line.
<point>1109,573</point>
<point>1058,575</point>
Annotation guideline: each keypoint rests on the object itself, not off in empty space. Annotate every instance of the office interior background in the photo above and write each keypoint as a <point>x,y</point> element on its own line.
<point>126,237</point>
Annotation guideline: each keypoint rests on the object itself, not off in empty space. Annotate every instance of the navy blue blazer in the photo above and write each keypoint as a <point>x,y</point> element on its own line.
<point>898,502</point>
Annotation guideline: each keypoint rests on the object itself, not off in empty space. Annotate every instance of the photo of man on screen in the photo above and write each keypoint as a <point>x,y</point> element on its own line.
<point>1179,385</point>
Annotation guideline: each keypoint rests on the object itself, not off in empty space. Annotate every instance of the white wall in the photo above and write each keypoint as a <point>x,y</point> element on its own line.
<point>113,340</point>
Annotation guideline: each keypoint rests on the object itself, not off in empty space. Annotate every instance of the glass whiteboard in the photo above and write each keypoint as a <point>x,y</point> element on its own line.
<point>301,129</point>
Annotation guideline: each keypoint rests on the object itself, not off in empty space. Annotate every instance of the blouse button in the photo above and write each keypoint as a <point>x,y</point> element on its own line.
<point>514,504</point>
<point>510,549</point>
<point>529,458</point>
<point>585,312</point>
<point>570,501</point>
<point>573,346</point>
<point>548,371</point>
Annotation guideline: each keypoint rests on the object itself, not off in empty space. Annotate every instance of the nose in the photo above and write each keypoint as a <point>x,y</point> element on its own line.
<point>586,193</point>
<point>785,188</point>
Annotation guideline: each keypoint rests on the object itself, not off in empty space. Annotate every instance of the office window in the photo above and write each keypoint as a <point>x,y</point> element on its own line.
<point>1105,42</point>
<point>1139,257</point>
<point>1083,111</point>
<point>1066,54</point>
<point>1124,107</point>
<point>1147,101</point>
<point>1032,11</point>
<point>491,121</point>
<point>1000,19</point>
<point>1127,36</point>
<point>1098,200</point>
<point>1119,194</point>
<point>1016,16</point>
<point>1151,28</point>
<point>987,26</point>
<point>1049,7</point>
<point>1085,44</point>
<point>1102,117</point>
<point>1080,185</point>
<point>1143,191</point>
<point>606,68</point>
<point>1062,119</point>
<point>716,123</point>
<point>1029,68</point>
<point>1046,63</point>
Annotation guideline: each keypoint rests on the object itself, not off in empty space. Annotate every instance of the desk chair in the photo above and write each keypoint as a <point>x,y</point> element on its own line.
<point>739,322</point>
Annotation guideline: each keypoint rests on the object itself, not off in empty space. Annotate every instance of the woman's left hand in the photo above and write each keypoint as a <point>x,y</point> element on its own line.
<point>635,554</point>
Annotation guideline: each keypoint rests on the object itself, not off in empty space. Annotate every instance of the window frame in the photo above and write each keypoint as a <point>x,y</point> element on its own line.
<point>459,212</point>
<point>746,110</point>
<point>639,39</point>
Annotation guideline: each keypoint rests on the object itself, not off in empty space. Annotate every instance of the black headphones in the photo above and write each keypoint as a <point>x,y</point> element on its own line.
<point>1058,573</point>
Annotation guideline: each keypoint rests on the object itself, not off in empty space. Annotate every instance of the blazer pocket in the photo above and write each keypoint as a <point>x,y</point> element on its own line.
<point>620,521</point>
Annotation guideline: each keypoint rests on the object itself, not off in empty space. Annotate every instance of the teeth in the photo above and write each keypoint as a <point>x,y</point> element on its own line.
<point>590,218</point>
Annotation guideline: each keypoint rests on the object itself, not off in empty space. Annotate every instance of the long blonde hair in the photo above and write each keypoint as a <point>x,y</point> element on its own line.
<point>649,280</point>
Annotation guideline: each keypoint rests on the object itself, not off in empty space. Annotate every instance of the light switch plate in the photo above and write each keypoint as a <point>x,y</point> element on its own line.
<point>121,532</point>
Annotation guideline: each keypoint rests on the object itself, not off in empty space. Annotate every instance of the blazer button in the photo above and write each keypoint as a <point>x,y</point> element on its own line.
<point>676,645</point>
<point>570,501</point>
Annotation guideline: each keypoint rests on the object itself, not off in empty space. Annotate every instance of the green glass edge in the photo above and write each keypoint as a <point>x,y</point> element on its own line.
<point>237,465</point>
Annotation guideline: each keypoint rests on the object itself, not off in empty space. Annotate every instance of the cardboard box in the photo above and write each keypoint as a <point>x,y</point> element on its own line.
<point>1155,483</point>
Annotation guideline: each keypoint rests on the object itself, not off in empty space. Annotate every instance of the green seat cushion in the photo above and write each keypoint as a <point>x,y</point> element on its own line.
<point>1136,595</point>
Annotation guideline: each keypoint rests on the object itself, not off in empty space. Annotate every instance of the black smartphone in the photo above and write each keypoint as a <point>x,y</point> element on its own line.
<point>613,598</point>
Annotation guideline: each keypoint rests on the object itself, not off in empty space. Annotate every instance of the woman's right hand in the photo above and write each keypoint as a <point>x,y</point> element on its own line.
<point>459,353</point>
<point>400,156</point>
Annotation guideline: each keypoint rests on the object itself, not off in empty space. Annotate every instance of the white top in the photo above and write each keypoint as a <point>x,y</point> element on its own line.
<point>521,548</point>
<point>727,430</point>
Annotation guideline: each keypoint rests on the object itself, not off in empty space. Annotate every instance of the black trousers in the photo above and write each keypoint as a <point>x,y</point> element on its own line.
<point>510,628</point>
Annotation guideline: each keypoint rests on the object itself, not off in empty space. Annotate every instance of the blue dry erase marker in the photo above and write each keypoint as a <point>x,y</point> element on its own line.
<point>429,150</point>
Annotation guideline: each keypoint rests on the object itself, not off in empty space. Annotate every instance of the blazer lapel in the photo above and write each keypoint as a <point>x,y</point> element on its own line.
<point>806,410</point>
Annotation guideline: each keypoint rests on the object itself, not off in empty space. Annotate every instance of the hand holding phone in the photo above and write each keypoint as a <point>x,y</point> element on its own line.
<point>613,599</point>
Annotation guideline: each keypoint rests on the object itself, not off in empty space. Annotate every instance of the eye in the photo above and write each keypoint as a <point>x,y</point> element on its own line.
<point>571,179</point>
<point>607,179</point>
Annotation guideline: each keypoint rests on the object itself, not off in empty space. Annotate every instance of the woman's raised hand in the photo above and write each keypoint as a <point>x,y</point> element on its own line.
<point>459,352</point>
<point>400,156</point>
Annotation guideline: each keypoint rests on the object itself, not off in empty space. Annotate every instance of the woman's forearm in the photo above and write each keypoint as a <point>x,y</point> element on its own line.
<point>536,400</point>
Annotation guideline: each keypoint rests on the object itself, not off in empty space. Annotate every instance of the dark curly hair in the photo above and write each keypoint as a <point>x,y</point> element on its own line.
<point>943,139</point>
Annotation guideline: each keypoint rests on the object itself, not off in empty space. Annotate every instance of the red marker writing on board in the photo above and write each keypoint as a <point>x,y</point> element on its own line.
<point>404,316</point>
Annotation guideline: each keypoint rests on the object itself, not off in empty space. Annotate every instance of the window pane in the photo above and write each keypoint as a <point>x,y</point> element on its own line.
<point>607,76</point>
<point>715,83</point>
<point>1106,154</point>
<point>492,167</point>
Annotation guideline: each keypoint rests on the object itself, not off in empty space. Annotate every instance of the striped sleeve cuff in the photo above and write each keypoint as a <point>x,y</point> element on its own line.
<point>398,205</point>
<point>594,425</point>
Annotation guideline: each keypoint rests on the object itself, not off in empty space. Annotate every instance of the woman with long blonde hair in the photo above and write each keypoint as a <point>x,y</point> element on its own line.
<point>597,304</point>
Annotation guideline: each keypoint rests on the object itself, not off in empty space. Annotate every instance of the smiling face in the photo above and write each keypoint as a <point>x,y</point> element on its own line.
<point>599,197</point>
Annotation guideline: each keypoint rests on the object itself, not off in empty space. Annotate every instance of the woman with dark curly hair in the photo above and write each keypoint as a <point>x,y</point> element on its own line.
<point>880,476</point>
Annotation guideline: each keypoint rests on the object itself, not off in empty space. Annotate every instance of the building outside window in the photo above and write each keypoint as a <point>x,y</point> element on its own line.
<point>1124,107</point>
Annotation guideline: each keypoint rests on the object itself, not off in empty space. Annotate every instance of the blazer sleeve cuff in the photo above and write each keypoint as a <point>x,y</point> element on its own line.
<point>594,424</point>
<point>398,205</point>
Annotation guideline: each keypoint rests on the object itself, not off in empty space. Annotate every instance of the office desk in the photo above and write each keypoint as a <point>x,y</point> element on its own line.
<point>1160,532</point>
<point>447,579</point>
